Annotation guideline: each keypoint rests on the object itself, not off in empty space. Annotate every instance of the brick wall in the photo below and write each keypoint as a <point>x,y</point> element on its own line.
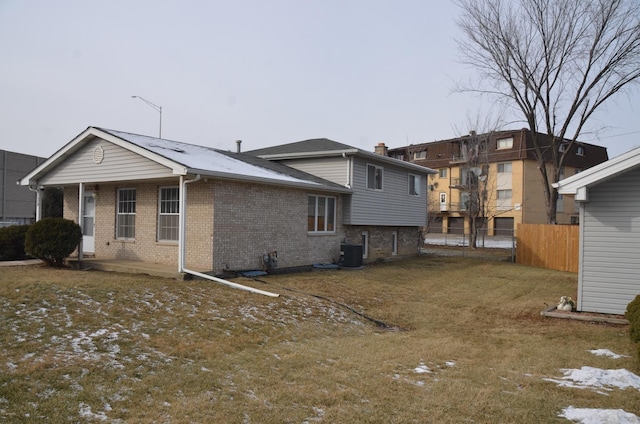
<point>251,219</point>
<point>380,240</point>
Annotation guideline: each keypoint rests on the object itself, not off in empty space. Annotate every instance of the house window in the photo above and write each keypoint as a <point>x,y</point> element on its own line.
<point>414,185</point>
<point>168,214</point>
<point>374,177</point>
<point>420,155</point>
<point>504,143</point>
<point>560,203</point>
<point>504,199</point>
<point>442,172</point>
<point>504,168</point>
<point>580,150</point>
<point>126,214</point>
<point>365,244</point>
<point>394,242</point>
<point>321,214</point>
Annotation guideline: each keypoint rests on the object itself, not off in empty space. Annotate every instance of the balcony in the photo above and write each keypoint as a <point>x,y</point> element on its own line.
<point>453,207</point>
<point>459,159</point>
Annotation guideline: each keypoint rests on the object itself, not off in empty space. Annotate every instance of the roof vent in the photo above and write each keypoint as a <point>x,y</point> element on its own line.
<point>238,143</point>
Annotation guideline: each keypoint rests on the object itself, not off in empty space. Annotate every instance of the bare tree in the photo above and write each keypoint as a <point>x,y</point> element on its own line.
<point>553,62</point>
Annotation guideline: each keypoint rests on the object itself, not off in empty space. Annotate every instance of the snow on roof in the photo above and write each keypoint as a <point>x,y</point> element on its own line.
<point>203,158</point>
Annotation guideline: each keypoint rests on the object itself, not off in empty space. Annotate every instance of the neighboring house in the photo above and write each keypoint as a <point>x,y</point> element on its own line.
<point>609,262</point>
<point>386,209</point>
<point>140,198</point>
<point>500,166</point>
<point>17,203</point>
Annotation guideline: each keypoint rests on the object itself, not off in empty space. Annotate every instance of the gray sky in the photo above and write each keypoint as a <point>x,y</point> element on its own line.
<point>267,72</point>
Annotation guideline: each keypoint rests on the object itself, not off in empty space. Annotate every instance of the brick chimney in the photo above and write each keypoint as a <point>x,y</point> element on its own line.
<point>381,149</point>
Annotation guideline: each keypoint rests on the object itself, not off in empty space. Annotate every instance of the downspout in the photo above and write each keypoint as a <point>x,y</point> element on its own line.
<point>38,193</point>
<point>182,245</point>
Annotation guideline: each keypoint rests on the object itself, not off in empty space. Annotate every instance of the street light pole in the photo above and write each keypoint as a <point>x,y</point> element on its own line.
<point>154,106</point>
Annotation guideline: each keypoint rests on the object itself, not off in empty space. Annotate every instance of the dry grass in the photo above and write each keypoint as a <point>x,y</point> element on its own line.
<point>89,346</point>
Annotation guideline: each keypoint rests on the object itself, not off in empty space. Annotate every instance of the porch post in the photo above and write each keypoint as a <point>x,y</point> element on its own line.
<point>80,214</point>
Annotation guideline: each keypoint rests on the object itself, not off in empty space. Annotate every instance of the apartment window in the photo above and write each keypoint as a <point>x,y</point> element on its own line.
<point>580,150</point>
<point>442,172</point>
<point>394,242</point>
<point>504,143</point>
<point>374,177</point>
<point>168,214</point>
<point>562,147</point>
<point>578,170</point>
<point>126,214</point>
<point>503,200</point>
<point>420,155</point>
<point>414,185</point>
<point>504,168</point>
<point>321,214</point>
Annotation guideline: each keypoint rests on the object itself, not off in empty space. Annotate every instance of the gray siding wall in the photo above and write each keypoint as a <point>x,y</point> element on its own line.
<point>118,164</point>
<point>390,206</point>
<point>17,203</point>
<point>610,263</point>
<point>334,169</point>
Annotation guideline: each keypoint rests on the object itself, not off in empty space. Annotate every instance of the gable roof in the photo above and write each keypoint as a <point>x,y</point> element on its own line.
<point>184,159</point>
<point>578,184</point>
<point>323,147</point>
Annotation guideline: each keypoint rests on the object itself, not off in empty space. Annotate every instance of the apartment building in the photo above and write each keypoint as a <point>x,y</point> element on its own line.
<point>500,172</point>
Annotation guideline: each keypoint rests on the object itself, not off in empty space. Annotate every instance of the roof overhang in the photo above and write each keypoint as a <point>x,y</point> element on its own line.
<point>579,184</point>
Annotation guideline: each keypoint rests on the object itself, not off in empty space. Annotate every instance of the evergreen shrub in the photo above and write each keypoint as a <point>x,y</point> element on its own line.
<point>52,240</point>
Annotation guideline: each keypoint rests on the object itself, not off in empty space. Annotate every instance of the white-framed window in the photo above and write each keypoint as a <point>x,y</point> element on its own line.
<point>580,150</point>
<point>394,242</point>
<point>504,168</point>
<point>365,244</point>
<point>321,217</point>
<point>504,143</point>
<point>126,214</point>
<point>420,155</point>
<point>503,200</point>
<point>442,172</point>
<point>414,185</point>
<point>374,177</point>
<point>560,203</point>
<point>168,213</point>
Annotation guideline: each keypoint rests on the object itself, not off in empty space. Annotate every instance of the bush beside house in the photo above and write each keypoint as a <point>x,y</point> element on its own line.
<point>633,316</point>
<point>52,240</point>
<point>12,241</point>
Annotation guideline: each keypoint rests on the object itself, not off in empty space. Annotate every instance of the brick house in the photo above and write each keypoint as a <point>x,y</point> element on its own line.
<point>140,198</point>
<point>507,173</point>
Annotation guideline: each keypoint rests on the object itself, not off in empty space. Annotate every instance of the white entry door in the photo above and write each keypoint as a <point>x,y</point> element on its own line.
<point>88,223</point>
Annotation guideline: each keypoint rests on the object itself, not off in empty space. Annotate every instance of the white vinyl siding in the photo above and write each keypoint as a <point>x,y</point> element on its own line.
<point>334,169</point>
<point>610,262</point>
<point>118,164</point>
<point>168,214</point>
<point>126,214</point>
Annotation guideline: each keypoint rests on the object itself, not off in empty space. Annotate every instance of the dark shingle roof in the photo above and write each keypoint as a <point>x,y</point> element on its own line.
<point>305,146</point>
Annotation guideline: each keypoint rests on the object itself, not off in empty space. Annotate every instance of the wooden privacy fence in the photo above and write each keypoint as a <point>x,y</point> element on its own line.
<point>548,246</point>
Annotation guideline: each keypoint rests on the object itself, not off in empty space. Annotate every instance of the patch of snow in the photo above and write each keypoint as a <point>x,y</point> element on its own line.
<point>450,363</point>
<point>607,352</point>
<point>590,378</point>
<point>599,416</point>
<point>421,369</point>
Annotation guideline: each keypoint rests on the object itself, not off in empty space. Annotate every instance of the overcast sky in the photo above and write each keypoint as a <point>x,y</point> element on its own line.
<point>267,72</point>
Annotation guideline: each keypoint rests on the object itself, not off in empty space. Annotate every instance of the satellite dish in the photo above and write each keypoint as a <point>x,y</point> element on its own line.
<point>476,171</point>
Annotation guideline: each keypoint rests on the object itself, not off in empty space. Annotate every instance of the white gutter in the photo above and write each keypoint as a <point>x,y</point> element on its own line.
<point>182,217</point>
<point>38,193</point>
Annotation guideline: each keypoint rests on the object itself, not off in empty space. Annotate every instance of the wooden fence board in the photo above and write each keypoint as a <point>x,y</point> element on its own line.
<point>548,246</point>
